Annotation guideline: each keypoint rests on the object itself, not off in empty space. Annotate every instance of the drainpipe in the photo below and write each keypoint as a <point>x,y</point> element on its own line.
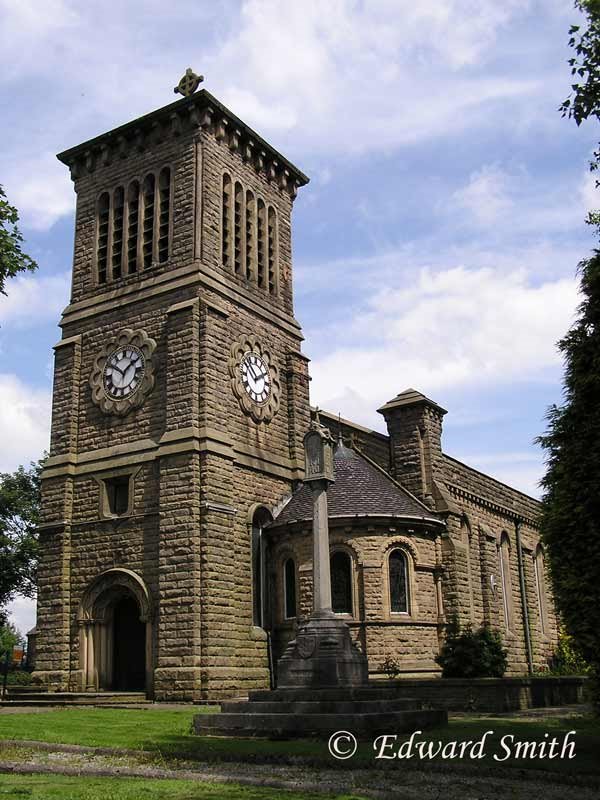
<point>524,598</point>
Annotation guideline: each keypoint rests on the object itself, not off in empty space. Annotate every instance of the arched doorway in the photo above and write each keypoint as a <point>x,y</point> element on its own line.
<point>116,634</point>
<point>129,646</point>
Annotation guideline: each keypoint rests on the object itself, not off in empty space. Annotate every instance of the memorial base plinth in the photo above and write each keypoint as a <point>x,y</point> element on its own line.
<point>322,655</point>
<point>366,711</point>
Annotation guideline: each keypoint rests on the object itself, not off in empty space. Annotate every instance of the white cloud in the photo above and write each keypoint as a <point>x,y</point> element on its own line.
<point>24,422</point>
<point>22,613</point>
<point>31,301</point>
<point>590,196</point>
<point>27,27</point>
<point>450,329</point>
<point>342,77</point>
<point>41,190</point>
<point>486,196</point>
<point>405,68</point>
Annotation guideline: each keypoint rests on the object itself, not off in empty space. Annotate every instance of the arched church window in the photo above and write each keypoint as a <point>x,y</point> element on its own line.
<point>398,575</point>
<point>261,245</point>
<point>117,232</point>
<point>102,248</point>
<point>506,581</point>
<point>540,585</point>
<point>164,213</point>
<point>133,206</point>
<point>260,600</point>
<point>341,582</point>
<point>272,251</point>
<point>237,229</point>
<point>148,228</point>
<point>226,221</point>
<point>289,588</point>
<point>250,228</point>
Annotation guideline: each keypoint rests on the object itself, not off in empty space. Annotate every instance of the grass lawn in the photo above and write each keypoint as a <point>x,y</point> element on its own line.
<point>166,733</point>
<point>60,787</point>
<point>132,728</point>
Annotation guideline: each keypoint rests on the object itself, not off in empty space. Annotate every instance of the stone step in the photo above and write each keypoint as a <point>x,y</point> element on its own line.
<point>73,698</point>
<point>71,704</point>
<point>341,694</point>
<point>317,725</point>
<point>319,706</point>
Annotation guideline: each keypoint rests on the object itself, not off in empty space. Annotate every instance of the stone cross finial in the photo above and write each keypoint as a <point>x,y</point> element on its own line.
<point>188,83</point>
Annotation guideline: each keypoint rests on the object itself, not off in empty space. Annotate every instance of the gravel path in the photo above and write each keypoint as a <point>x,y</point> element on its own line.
<point>433,782</point>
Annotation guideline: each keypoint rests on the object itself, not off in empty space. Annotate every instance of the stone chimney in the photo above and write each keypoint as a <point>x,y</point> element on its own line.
<point>414,424</point>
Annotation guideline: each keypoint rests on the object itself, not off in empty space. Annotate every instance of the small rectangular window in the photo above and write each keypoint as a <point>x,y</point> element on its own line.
<point>117,495</point>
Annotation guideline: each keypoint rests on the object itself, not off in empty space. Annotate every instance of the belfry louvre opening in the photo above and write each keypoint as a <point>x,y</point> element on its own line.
<point>133,227</point>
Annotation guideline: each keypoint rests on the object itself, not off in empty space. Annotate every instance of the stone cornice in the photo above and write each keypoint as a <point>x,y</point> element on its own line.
<point>182,440</point>
<point>194,274</point>
<point>484,502</point>
<point>200,111</point>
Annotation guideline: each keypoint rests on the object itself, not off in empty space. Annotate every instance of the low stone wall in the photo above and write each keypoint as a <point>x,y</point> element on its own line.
<point>490,694</point>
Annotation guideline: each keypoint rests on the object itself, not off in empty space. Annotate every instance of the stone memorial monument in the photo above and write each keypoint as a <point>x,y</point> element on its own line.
<point>323,653</point>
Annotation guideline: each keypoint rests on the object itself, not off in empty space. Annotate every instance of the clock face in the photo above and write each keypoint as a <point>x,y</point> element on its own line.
<point>123,372</point>
<point>256,378</point>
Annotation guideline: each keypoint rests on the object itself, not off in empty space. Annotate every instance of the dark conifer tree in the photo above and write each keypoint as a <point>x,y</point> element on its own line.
<point>571,501</point>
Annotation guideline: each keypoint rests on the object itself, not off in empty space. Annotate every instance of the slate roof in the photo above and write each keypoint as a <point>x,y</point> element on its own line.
<point>361,489</point>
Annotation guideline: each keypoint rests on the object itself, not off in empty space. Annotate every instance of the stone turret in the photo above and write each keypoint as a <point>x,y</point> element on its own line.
<point>414,424</point>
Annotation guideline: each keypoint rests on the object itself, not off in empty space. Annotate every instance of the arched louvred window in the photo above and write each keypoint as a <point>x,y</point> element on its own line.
<point>272,251</point>
<point>540,585</point>
<point>117,232</point>
<point>250,234</point>
<point>148,227</point>
<point>289,588</point>
<point>164,213</point>
<point>237,224</point>
<point>103,225</point>
<point>341,583</point>
<point>133,208</point>
<point>398,575</point>
<point>506,581</point>
<point>226,221</point>
<point>261,245</point>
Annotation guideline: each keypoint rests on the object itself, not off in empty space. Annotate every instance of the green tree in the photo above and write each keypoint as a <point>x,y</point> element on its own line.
<point>12,258</point>
<point>19,517</point>
<point>9,637</point>
<point>571,501</point>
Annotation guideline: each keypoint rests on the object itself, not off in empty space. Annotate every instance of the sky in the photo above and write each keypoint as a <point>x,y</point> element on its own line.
<point>437,243</point>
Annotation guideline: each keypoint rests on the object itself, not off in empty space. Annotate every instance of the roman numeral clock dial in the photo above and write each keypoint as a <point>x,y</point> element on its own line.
<point>254,379</point>
<point>123,373</point>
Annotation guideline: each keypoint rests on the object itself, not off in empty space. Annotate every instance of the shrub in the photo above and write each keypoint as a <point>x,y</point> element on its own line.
<point>18,677</point>
<point>390,667</point>
<point>472,654</point>
<point>567,658</point>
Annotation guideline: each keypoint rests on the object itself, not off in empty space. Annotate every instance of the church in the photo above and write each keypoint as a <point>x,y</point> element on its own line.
<point>176,542</point>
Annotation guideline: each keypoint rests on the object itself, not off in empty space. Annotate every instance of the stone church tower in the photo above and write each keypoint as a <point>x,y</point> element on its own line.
<point>180,402</point>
